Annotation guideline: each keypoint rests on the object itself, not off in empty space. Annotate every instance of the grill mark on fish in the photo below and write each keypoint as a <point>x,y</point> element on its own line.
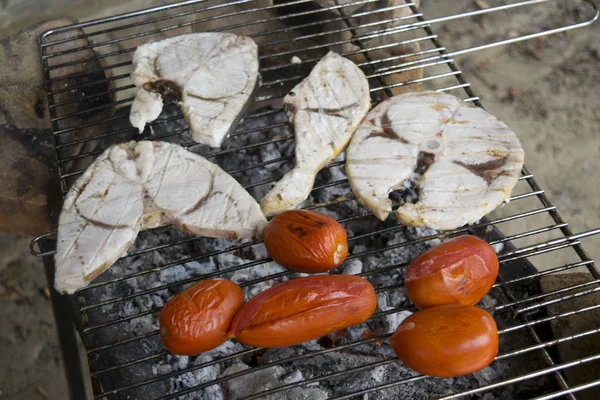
<point>203,200</point>
<point>155,67</point>
<point>75,243</point>
<point>370,161</point>
<point>215,99</point>
<point>485,170</point>
<point>334,112</point>
<point>387,131</point>
<point>81,189</point>
<point>100,224</point>
<point>107,263</point>
<point>439,107</point>
<point>164,171</point>
<point>331,111</point>
<point>239,216</point>
<point>113,166</point>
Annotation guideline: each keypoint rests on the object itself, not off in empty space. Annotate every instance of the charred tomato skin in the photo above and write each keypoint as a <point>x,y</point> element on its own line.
<point>458,271</point>
<point>198,319</point>
<point>304,309</point>
<point>447,341</point>
<point>306,241</point>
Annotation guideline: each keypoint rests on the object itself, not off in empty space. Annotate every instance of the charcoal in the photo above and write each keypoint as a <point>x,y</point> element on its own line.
<point>266,379</point>
<point>353,267</point>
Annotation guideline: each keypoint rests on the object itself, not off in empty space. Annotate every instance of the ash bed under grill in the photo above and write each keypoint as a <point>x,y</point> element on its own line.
<point>398,51</point>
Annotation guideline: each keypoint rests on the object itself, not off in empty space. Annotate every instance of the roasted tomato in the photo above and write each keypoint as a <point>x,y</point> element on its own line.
<point>306,241</point>
<point>447,341</point>
<point>458,271</point>
<point>303,309</point>
<point>198,319</point>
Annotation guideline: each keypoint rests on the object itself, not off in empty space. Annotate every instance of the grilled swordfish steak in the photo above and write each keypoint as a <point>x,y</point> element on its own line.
<point>463,161</point>
<point>325,110</point>
<point>212,76</point>
<point>140,185</point>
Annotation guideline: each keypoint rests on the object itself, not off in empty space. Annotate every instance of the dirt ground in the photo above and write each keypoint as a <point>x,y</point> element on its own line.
<point>547,90</point>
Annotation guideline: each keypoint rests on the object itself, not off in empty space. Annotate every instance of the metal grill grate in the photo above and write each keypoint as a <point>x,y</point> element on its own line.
<point>87,68</point>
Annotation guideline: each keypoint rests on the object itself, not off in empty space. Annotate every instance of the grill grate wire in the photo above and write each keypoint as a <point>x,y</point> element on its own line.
<point>440,73</point>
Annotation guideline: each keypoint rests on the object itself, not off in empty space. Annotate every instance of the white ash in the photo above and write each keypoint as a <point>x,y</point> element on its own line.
<point>271,153</point>
<point>170,363</point>
<point>378,373</point>
<point>266,379</point>
<point>293,377</point>
<point>488,302</point>
<point>181,272</point>
<point>242,386</point>
<point>352,267</point>
<point>194,378</point>
<point>194,371</point>
<point>390,322</point>
<point>226,349</point>
<point>416,233</point>
<point>257,272</point>
<point>498,247</point>
<point>228,260</point>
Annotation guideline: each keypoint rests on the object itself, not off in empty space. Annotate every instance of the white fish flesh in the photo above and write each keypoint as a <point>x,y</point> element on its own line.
<point>212,76</point>
<point>146,107</point>
<point>140,185</point>
<point>463,161</point>
<point>325,110</point>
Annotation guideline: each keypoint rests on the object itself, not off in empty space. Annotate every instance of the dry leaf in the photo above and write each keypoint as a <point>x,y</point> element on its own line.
<point>42,392</point>
<point>482,4</point>
<point>569,35</point>
<point>46,292</point>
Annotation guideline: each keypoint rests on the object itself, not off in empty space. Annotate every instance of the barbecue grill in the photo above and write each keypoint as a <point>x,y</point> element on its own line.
<point>116,315</point>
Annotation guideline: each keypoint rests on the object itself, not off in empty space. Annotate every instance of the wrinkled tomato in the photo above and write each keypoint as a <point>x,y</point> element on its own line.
<point>304,309</point>
<point>458,271</point>
<point>198,319</point>
<point>306,241</point>
<point>447,341</point>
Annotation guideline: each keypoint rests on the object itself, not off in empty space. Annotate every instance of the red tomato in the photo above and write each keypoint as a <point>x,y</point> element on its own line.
<point>459,271</point>
<point>306,241</point>
<point>304,309</point>
<point>198,319</point>
<point>447,341</point>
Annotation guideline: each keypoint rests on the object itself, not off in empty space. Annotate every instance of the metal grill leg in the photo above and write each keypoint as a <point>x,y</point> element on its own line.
<point>66,334</point>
